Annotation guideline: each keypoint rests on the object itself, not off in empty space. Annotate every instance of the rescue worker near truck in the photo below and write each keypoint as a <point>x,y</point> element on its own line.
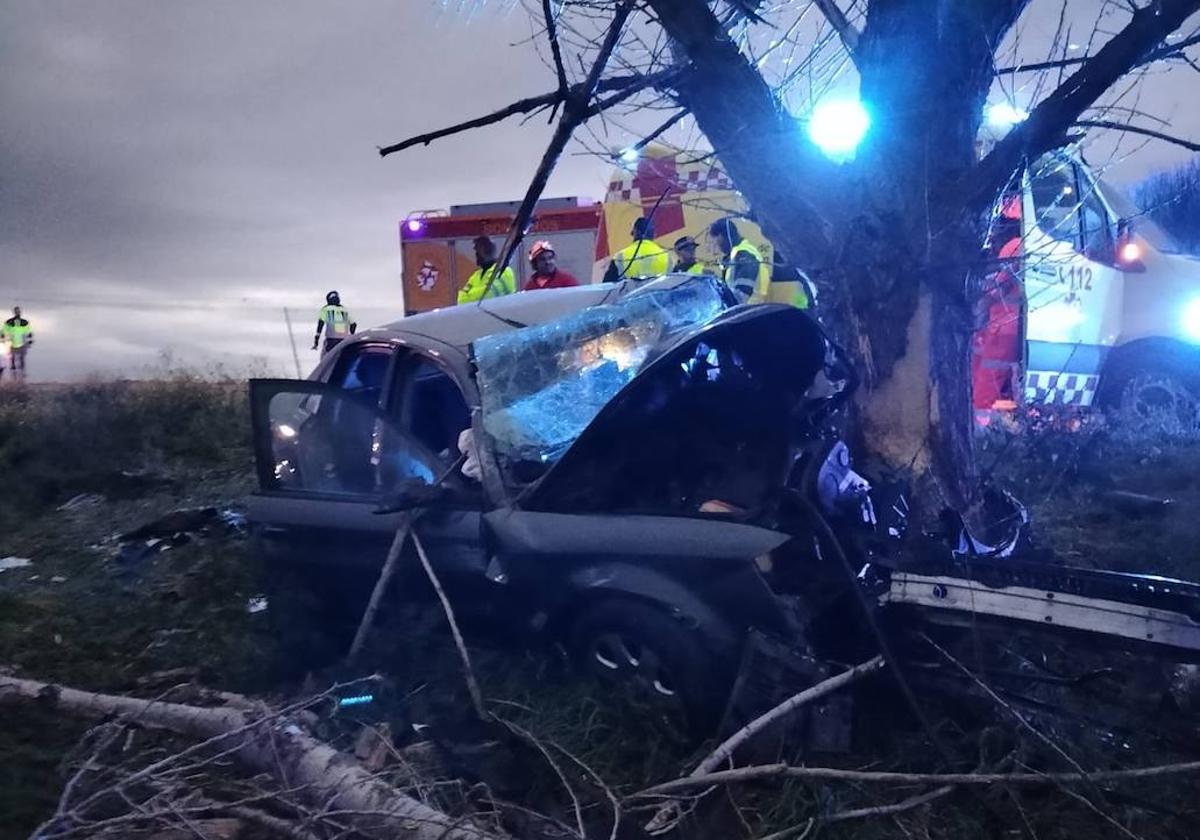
<point>642,259</point>
<point>19,335</point>
<point>336,321</point>
<point>746,273</point>
<point>546,273</point>
<point>685,257</point>
<point>480,284</point>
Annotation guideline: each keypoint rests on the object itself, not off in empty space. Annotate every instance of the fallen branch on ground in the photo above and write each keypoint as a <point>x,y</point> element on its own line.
<point>778,771</point>
<point>723,753</point>
<point>271,745</point>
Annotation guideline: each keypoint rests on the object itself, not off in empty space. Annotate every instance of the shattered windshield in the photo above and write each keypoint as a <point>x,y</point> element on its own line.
<point>541,386</point>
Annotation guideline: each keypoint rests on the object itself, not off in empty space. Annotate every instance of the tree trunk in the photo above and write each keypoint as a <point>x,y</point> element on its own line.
<point>892,260</point>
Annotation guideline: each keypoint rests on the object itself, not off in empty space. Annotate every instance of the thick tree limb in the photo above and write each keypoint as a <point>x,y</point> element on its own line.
<point>628,83</point>
<point>266,745</point>
<point>1145,132</point>
<point>1050,120</point>
<point>841,24</point>
<point>781,771</point>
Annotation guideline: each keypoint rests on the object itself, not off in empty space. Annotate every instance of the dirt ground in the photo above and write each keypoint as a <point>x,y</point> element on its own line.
<point>87,615</point>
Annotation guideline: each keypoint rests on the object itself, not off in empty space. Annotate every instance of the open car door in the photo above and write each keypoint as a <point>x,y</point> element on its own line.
<point>328,459</point>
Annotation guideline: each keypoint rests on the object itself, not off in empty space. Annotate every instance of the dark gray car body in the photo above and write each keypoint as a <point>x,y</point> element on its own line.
<point>537,551</point>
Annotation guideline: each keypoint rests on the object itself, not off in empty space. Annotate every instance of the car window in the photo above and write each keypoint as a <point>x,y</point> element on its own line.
<point>362,371</point>
<point>1095,222</point>
<point>330,442</point>
<point>436,411</point>
<point>1056,200</point>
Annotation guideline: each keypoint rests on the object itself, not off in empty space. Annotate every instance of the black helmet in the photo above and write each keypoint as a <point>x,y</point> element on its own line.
<point>332,299</point>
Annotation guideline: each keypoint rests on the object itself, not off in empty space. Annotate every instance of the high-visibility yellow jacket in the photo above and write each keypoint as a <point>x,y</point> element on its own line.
<point>644,258</point>
<point>477,284</point>
<point>16,332</point>
<point>748,290</point>
<point>336,320</point>
<point>694,268</point>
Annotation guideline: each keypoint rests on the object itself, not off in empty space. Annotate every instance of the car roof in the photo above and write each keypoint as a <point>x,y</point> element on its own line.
<point>459,325</point>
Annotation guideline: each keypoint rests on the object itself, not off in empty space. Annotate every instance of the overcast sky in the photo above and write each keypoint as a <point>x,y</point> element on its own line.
<point>172,174</point>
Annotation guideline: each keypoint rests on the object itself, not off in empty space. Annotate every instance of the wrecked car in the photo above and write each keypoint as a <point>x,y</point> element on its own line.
<point>652,480</point>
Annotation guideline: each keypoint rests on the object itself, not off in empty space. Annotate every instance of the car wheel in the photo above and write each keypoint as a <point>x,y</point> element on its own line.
<point>1158,400</point>
<point>659,660</point>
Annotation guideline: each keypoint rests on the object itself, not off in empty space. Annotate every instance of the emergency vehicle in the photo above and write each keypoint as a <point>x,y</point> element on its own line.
<point>1086,301</point>
<point>1089,303</point>
<point>438,254</point>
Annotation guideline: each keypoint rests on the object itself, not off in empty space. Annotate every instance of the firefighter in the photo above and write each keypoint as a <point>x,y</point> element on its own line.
<point>476,288</point>
<point>685,257</point>
<point>19,335</point>
<point>546,273</point>
<point>336,321</point>
<point>642,259</point>
<point>745,270</point>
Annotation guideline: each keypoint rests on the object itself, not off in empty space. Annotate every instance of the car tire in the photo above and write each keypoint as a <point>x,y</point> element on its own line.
<point>657,658</point>
<point>1148,394</point>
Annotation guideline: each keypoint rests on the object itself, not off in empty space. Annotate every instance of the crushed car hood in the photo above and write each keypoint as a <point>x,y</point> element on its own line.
<point>703,425</point>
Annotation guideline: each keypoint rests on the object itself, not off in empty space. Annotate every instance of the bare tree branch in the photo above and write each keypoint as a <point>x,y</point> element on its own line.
<point>841,24</point>
<point>1052,118</point>
<point>1145,132</point>
<point>577,108</point>
<point>628,84</point>
<point>555,49</point>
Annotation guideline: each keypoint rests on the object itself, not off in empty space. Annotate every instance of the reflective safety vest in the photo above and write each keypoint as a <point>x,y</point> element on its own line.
<point>644,258</point>
<point>694,268</point>
<point>477,284</point>
<point>337,320</point>
<point>17,331</point>
<point>790,292</point>
<point>748,291</point>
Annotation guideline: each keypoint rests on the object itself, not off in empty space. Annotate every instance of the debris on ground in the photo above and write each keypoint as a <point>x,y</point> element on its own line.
<point>14,562</point>
<point>80,502</point>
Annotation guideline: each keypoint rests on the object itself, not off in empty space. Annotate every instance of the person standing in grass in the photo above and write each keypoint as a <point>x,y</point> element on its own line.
<point>19,335</point>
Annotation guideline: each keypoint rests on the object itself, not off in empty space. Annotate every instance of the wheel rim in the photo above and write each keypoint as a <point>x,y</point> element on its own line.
<point>1159,402</point>
<point>625,658</point>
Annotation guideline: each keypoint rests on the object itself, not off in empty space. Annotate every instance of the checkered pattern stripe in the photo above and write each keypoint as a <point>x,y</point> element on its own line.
<point>1044,387</point>
<point>694,180</point>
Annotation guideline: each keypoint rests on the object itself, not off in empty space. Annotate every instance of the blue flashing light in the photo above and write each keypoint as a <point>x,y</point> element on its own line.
<point>629,155</point>
<point>1004,115</point>
<point>1191,320</point>
<point>356,700</point>
<point>837,126</point>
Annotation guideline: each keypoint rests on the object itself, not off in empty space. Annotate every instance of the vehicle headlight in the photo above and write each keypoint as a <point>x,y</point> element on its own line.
<point>1190,320</point>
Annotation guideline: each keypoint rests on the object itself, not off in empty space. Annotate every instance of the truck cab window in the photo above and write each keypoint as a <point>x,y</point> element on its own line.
<point>1096,223</point>
<point>1056,201</point>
